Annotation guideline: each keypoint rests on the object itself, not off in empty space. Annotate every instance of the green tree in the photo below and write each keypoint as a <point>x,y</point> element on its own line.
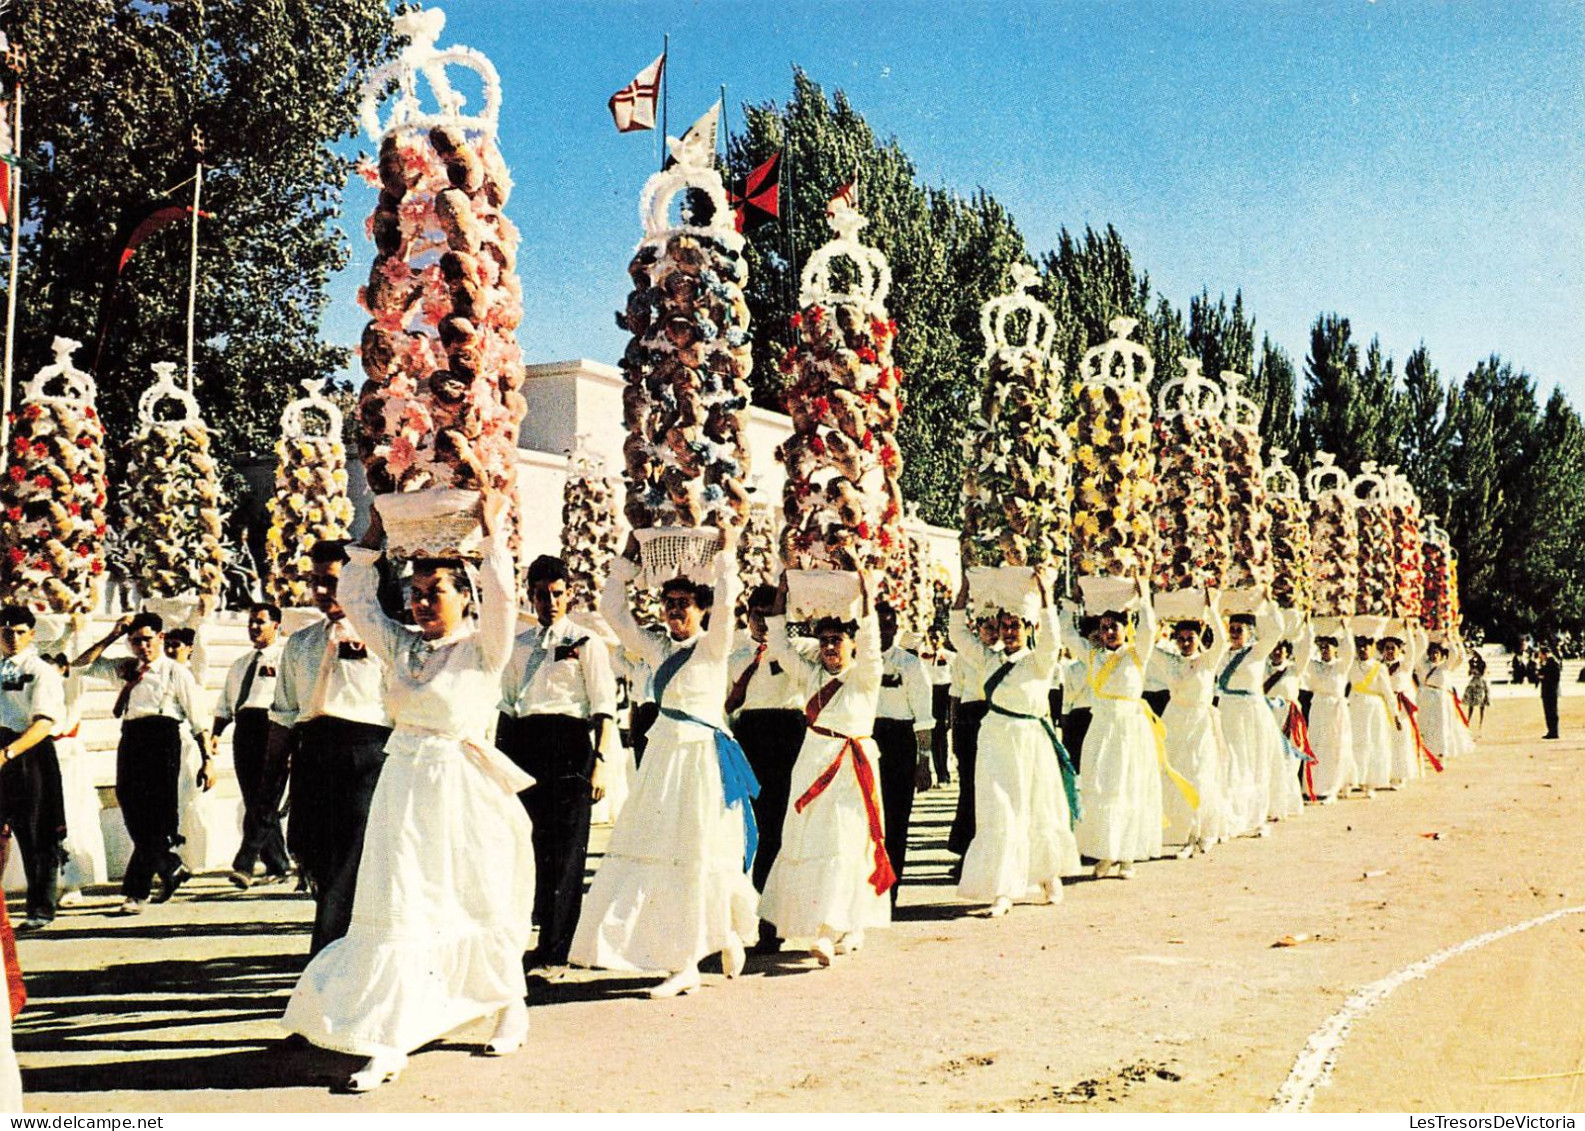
<point>1274,387</point>
<point>1429,418</point>
<point>1091,280</point>
<point>947,254</point>
<point>1551,570</point>
<point>1332,417</point>
<point>115,91</point>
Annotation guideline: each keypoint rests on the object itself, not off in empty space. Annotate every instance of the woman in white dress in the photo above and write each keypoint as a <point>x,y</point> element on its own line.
<point>1286,795</point>
<point>1400,657</point>
<point>1120,767</point>
<point>1254,746</point>
<point>443,910</point>
<point>674,885</point>
<point>1373,714</point>
<point>1331,730</point>
<point>831,877</point>
<point>1024,780</point>
<point>1442,725</point>
<point>1194,732</point>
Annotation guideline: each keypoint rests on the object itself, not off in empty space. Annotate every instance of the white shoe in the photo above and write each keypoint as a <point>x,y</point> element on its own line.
<point>511,1030</point>
<point>378,1070</point>
<point>1101,868</point>
<point>682,982</point>
<point>1186,851</point>
<point>1001,906</point>
<point>69,898</point>
<point>132,907</point>
<point>1264,830</point>
<point>850,943</point>
<point>1051,891</point>
<point>1125,869</point>
<point>733,956</point>
<point>823,950</point>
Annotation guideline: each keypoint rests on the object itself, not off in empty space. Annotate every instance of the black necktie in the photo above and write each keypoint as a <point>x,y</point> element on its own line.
<point>247,680</point>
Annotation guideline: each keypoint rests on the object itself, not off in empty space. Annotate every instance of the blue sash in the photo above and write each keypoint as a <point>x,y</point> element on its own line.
<point>1070,780</point>
<point>1227,673</point>
<point>739,786</point>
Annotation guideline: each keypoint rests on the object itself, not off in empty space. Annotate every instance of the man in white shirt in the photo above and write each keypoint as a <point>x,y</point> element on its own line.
<point>246,699</point>
<point>157,694</point>
<point>328,723</point>
<point>765,708</point>
<point>904,723</point>
<point>937,658</point>
<point>32,806</point>
<point>558,699</point>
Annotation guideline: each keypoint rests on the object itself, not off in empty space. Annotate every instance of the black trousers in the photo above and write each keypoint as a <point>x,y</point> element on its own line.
<point>1549,711</point>
<point>557,750</point>
<point>335,767</point>
<point>640,719</point>
<point>966,737</point>
<point>33,807</point>
<point>148,765</point>
<point>1075,725</point>
<point>771,741</point>
<point>261,801</point>
<point>899,748</point>
<point>940,698</point>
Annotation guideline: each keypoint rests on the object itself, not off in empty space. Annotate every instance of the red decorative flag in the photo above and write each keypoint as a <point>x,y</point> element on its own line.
<point>145,225</point>
<point>633,107</point>
<point>5,161</point>
<point>760,200</point>
<point>845,197</point>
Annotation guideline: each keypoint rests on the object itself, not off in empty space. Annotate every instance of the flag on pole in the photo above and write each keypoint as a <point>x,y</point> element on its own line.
<point>5,161</point>
<point>144,224</point>
<point>698,144</point>
<point>633,107</point>
<point>845,197</point>
<point>760,200</point>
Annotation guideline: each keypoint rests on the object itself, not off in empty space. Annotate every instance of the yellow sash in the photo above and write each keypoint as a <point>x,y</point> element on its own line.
<point>1366,687</point>
<point>1098,680</point>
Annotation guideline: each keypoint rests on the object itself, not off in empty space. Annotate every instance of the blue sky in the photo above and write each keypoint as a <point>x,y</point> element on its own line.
<point>1418,168</point>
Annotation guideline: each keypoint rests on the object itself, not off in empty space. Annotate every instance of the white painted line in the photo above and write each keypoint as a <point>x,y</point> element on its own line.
<point>1314,1066</point>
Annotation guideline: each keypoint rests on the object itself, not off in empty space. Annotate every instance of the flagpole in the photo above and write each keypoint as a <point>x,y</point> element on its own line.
<point>192,262</point>
<point>15,206</point>
<point>665,95</point>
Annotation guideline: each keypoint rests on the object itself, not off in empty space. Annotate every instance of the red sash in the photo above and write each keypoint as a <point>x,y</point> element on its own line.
<point>16,992</point>
<point>1298,732</point>
<point>1412,709</point>
<point>739,690</point>
<point>1458,705</point>
<point>883,878</point>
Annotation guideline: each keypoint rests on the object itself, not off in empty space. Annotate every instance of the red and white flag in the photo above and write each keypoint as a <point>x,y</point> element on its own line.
<point>633,107</point>
<point>5,161</point>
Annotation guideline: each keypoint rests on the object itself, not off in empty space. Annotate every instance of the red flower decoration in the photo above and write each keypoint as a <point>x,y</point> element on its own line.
<point>816,314</point>
<point>96,566</point>
<point>15,555</point>
<point>796,321</point>
<point>14,514</point>
<point>41,480</point>
<point>83,550</point>
<point>866,354</point>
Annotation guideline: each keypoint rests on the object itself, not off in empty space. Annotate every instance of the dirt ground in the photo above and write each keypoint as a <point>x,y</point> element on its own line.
<point>1161,993</point>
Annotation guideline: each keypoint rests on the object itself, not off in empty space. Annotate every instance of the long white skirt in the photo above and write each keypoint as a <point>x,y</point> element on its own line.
<point>1405,754</point>
<point>1444,732</point>
<point>1022,833</point>
<point>1285,796</point>
<point>1119,784</point>
<point>442,915</point>
<point>1332,739</point>
<point>85,839</point>
<point>671,888</point>
<point>1373,739</point>
<point>1195,749</point>
<point>1254,748</point>
<point>821,877</point>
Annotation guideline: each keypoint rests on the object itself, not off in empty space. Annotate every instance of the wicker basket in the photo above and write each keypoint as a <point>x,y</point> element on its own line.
<point>1108,594</point>
<point>1369,626</point>
<point>677,551</point>
<point>1180,604</point>
<point>816,593</point>
<point>995,588</point>
<point>1242,600</point>
<point>441,522</point>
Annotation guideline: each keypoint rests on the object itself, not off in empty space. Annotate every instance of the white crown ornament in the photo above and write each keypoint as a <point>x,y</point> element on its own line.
<point>422,58</point>
<point>165,388</point>
<point>873,281</point>
<point>1039,330</point>
<point>695,169</point>
<point>1369,486</point>
<point>296,426</point>
<point>76,387</point>
<point>1118,361</point>
<point>1325,476</point>
<point>1241,411</point>
<point>1193,394</point>
<point>1280,478</point>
